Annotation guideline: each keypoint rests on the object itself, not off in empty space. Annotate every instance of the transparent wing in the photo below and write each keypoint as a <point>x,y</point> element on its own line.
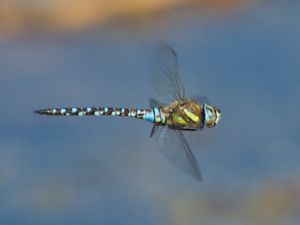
<point>165,78</point>
<point>201,99</point>
<point>175,147</point>
<point>154,130</point>
<point>154,103</point>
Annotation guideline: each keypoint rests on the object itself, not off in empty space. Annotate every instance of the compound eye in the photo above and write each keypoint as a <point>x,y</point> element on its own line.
<point>210,111</point>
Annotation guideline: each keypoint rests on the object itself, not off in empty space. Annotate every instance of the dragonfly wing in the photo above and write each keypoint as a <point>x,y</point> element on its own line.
<point>155,103</point>
<point>165,78</point>
<point>201,99</point>
<point>154,130</point>
<point>176,148</point>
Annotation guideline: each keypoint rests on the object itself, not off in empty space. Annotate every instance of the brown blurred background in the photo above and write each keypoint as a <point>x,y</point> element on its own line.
<point>22,16</point>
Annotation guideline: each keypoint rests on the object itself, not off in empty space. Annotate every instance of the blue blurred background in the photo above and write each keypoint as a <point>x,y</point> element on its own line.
<point>243,55</point>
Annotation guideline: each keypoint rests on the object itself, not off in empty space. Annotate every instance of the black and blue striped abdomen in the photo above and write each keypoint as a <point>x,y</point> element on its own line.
<point>151,115</point>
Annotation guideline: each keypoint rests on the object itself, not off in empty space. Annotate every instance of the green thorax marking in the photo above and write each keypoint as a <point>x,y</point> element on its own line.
<point>184,114</point>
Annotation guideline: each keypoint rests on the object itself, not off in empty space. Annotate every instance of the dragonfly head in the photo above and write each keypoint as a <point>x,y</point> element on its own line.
<point>212,115</point>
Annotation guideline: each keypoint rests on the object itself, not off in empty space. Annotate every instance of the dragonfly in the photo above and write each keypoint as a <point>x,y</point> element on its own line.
<point>170,120</point>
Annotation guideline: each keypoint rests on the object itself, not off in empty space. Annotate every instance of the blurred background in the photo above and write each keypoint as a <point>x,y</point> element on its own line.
<point>242,54</point>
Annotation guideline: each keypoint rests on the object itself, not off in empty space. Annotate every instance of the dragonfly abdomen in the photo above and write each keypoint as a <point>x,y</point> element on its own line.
<point>152,115</point>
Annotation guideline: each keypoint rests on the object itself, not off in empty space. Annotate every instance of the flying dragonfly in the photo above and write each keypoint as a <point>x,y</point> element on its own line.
<point>169,120</point>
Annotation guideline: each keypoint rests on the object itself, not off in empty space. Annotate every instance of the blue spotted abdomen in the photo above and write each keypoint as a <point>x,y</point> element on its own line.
<point>151,115</point>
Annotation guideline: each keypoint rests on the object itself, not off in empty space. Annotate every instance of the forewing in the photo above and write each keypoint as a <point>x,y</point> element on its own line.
<point>154,103</point>
<point>165,78</point>
<point>201,99</point>
<point>176,148</point>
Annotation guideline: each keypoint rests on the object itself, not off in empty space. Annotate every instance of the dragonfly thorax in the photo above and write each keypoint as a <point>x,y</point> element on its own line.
<point>184,114</point>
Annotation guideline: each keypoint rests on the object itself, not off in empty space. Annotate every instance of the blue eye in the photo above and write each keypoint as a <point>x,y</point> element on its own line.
<point>211,113</point>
